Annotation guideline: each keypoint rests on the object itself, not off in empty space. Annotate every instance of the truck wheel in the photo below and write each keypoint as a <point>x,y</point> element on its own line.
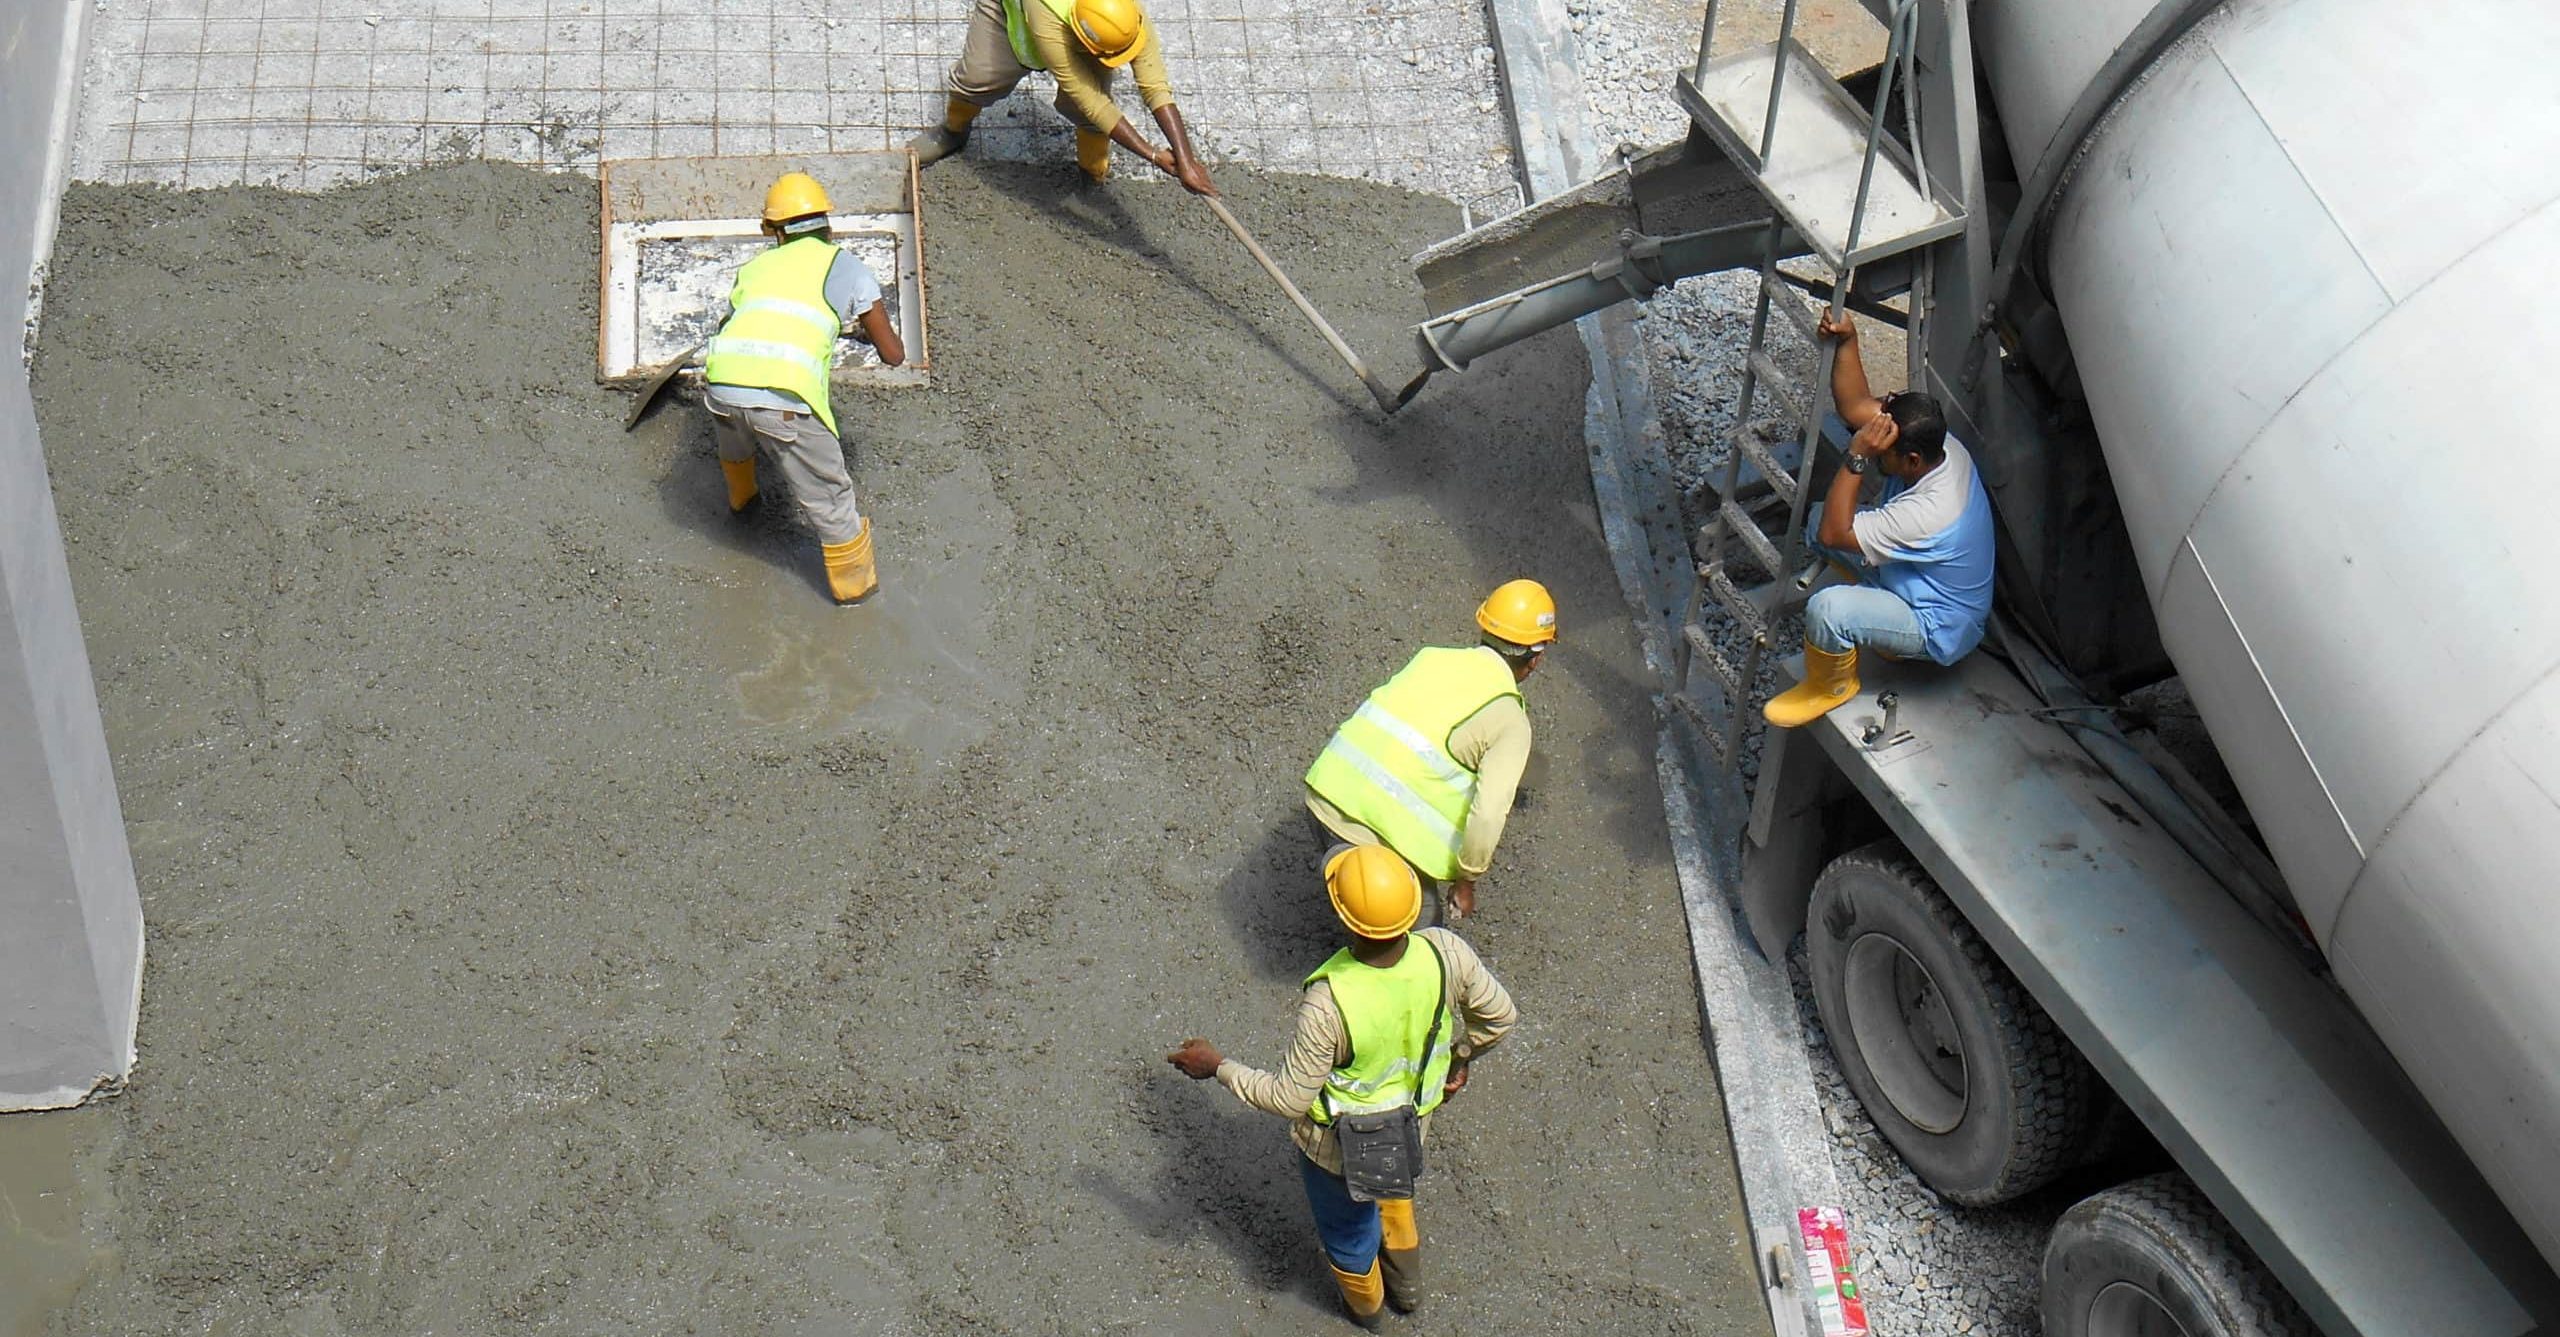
<point>1956,1065</point>
<point>2153,1259</point>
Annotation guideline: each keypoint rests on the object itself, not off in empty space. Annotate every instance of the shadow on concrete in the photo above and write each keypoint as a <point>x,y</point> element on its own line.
<point>1229,1176</point>
<point>1274,901</point>
<point>692,495</point>
<point>1102,212</point>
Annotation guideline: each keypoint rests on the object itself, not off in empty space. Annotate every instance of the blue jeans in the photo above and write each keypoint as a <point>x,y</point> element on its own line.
<point>1848,617</point>
<point>1349,1228</point>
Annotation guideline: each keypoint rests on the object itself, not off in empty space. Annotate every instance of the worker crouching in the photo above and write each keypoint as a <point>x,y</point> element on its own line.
<point>766,374</point>
<point>1386,1029</point>
<point>1917,567</point>
<point>1428,766</point>
<point>1081,43</point>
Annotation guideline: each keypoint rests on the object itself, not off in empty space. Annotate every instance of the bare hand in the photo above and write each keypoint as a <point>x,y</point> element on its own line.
<point>1194,177</point>
<point>1164,161</point>
<point>1462,898</point>
<point>1876,437</point>
<point>1838,327</point>
<point>1197,1058</point>
<point>1456,1081</point>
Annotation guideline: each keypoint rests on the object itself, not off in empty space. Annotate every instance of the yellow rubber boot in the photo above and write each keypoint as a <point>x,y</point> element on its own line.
<point>1829,680</point>
<point>1400,1264</point>
<point>850,573</point>
<point>742,482</point>
<point>1364,1293</point>
<point>1093,154</point>
<point>946,139</point>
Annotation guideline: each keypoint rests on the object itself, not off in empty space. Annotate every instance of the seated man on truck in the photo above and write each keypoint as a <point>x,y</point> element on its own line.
<point>1920,559</point>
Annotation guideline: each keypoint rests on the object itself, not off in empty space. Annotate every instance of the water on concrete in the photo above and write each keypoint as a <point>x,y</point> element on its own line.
<point>52,1192</point>
<point>564,918</point>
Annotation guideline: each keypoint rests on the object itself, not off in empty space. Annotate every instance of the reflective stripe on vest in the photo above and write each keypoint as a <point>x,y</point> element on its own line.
<point>1387,1014</point>
<point>1388,767</point>
<point>781,334</point>
<point>1019,33</point>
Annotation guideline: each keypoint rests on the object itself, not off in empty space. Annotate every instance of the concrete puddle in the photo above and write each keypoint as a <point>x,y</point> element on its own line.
<point>913,662</point>
<point>50,1188</point>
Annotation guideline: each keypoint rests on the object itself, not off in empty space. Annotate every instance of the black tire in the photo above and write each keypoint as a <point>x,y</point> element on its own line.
<point>2153,1259</point>
<point>1956,1065</point>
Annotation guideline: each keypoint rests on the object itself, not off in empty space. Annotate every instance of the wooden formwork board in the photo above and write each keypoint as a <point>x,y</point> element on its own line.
<point>676,229</point>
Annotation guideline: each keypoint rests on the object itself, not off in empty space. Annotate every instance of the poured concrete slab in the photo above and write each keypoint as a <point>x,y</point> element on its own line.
<point>677,229</point>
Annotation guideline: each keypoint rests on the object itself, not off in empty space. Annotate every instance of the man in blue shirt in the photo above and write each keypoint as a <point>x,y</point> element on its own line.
<point>1921,558</point>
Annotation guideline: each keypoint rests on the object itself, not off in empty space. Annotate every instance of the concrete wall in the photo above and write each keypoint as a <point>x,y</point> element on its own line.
<point>70,918</point>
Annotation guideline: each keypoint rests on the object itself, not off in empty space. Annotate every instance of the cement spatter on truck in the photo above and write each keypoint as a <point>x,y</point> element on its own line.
<point>531,942</point>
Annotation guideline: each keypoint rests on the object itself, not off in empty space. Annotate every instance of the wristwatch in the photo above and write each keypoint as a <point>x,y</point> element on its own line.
<point>1854,463</point>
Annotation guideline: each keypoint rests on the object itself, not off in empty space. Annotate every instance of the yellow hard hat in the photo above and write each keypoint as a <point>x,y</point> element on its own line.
<point>796,195</point>
<point>1521,612</point>
<point>1113,30</point>
<point>1374,891</point>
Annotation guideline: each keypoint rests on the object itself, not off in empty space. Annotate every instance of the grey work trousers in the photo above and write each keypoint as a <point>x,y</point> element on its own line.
<point>987,70</point>
<point>809,456</point>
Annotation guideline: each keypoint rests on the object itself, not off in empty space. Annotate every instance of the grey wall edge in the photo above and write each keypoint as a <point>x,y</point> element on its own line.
<point>71,962</point>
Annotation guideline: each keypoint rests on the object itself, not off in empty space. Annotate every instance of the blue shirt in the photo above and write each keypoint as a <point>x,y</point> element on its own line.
<point>1930,542</point>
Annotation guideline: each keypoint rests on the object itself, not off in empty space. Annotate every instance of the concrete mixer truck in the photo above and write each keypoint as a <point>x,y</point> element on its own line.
<point>2243,310</point>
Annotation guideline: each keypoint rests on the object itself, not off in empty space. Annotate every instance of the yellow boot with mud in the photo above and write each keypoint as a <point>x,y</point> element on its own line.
<point>948,138</point>
<point>1363,1293</point>
<point>850,573</point>
<point>741,476</point>
<point>1829,681</point>
<point>1093,154</point>
<point>1400,1260</point>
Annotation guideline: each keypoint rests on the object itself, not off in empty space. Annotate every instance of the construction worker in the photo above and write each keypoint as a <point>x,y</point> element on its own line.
<point>1393,1019</point>
<point>1080,43</point>
<point>766,373</point>
<point>1429,764</point>
<point>1918,566</point>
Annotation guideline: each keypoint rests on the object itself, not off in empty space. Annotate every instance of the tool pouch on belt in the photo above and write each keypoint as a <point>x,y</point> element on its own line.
<point>1382,1150</point>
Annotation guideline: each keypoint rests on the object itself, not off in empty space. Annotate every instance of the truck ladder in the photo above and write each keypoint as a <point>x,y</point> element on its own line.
<point>1841,188</point>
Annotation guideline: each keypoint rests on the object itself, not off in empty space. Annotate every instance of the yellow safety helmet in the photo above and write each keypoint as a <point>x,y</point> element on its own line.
<point>1113,30</point>
<point>1374,891</point>
<point>1521,612</point>
<point>795,195</point>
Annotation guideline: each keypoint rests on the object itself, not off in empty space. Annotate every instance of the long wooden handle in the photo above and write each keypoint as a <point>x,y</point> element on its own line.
<point>1387,399</point>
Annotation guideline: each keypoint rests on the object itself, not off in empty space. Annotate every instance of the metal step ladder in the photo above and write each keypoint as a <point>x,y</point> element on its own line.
<point>1852,195</point>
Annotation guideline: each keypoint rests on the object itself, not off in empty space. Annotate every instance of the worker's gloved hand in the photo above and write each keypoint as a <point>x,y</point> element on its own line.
<point>1197,1058</point>
<point>1462,898</point>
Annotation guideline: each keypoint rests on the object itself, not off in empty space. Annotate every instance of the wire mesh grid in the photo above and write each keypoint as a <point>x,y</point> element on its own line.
<point>308,94</point>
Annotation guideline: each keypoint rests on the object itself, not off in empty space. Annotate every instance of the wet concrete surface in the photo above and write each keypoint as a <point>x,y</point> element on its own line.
<point>562,918</point>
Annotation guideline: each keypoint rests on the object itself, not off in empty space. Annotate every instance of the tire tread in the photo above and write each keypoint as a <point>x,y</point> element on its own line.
<point>2169,1208</point>
<point>2052,1083</point>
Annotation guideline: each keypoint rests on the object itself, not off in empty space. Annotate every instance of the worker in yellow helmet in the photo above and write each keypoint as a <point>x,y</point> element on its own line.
<point>766,374</point>
<point>1429,764</point>
<point>1386,1029</point>
<point>1080,43</point>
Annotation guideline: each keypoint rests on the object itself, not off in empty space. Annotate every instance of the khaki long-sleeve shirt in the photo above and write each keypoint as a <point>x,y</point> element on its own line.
<point>1085,82</point>
<point>1494,743</point>
<point>1480,1009</point>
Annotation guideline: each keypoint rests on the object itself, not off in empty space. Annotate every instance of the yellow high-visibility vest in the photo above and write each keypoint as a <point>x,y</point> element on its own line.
<point>1388,1014</point>
<point>1019,33</point>
<point>1388,767</point>
<point>781,333</point>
